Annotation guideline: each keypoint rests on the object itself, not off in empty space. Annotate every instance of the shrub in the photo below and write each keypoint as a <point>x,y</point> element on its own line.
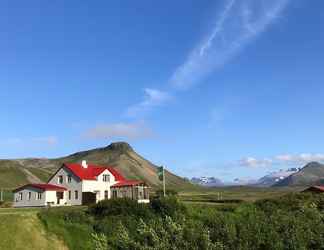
<point>168,206</point>
<point>119,207</point>
<point>168,192</point>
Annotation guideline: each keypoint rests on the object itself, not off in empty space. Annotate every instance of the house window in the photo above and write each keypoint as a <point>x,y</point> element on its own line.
<point>70,195</point>
<point>106,194</point>
<point>76,195</point>
<point>29,196</point>
<point>20,196</point>
<point>38,196</point>
<point>114,193</point>
<point>60,179</point>
<point>106,178</point>
<point>69,178</point>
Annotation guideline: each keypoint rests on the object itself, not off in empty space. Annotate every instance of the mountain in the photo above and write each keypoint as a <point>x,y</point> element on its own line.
<point>119,154</point>
<point>275,177</point>
<point>311,174</point>
<point>207,181</point>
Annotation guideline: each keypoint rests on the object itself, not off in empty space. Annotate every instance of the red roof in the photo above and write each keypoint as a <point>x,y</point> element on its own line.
<point>126,183</point>
<point>42,186</point>
<point>319,188</point>
<point>92,171</point>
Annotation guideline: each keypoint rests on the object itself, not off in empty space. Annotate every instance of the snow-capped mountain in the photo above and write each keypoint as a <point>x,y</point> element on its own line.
<point>275,177</point>
<point>207,181</point>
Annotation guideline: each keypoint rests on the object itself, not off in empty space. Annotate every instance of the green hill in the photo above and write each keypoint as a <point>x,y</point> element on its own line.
<point>311,174</point>
<point>120,155</point>
<point>22,229</point>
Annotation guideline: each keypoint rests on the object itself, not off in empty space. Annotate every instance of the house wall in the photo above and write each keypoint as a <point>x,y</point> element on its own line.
<point>74,185</point>
<point>33,202</point>
<point>50,198</point>
<point>125,192</point>
<point>99,185</point>
<point>139,193</point>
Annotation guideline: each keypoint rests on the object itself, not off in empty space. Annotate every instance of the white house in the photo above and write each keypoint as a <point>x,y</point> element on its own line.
<point>80,184</point>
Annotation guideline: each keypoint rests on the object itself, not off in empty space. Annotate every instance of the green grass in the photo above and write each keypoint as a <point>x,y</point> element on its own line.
<point>42,174</point>
<point>12,177</point>
<point>7,195</point>
<point>77,236</point>
<point>235,194</point>
<point>21,229</point>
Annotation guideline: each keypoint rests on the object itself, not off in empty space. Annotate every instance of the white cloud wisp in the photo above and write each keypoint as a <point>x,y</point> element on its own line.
<point>238,24</point>
<point>281,160</point>
<point>152,98</point>
<point>130,131</point>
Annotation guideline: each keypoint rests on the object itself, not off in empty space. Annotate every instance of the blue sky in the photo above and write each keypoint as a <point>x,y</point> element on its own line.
<point>220,88</point>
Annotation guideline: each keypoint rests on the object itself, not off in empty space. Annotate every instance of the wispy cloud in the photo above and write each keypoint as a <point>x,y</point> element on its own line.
<point>238,24</point>
<point>300,158</point>
<point>252,162</point>
<point>152,98</point>
<point>129,131</point>
<point>30,142</point>
<point>281,160</point>
<point>49,140</point>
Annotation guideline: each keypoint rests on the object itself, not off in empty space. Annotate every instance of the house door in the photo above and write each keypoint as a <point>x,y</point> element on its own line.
<point>97,195</point>
<point>59,196</point>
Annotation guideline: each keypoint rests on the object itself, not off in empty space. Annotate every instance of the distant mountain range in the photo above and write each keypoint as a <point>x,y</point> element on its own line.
<point>207,181</point>
<point>275,177</point>
<point>311,174</point>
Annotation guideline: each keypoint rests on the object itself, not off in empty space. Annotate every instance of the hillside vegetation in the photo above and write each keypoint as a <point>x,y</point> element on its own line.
<point>294,221</point>
<point>22,230</point>
<point>120,155</point>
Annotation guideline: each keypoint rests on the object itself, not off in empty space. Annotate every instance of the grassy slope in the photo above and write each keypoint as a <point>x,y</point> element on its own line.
<point>11,175</point>
<point>41,173</point>
<point>21,229</point>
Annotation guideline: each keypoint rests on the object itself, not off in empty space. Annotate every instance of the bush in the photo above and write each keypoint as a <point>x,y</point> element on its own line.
<point>168,192</point>
<point>120,207</point>
<point>168,206</point>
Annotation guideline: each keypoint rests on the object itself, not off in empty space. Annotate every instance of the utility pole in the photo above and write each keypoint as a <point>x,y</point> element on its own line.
<point>1,195</point>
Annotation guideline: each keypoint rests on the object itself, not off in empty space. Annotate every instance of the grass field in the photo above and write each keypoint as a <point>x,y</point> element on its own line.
<point>21,229</point>
<point>234,194</point>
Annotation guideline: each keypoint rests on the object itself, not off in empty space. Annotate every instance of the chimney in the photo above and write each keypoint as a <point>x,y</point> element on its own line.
<point>84,164</point>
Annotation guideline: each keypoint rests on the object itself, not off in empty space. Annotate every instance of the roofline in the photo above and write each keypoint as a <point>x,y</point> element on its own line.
<point>31,185</point>
<point>129,185</point>
<point>63,165</point>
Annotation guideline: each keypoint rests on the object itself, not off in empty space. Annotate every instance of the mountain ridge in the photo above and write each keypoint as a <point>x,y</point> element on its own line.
<point>120,155</point>
<point>311,174</point>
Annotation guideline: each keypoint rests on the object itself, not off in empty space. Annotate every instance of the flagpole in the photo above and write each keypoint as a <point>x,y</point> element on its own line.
<point>163,182</point>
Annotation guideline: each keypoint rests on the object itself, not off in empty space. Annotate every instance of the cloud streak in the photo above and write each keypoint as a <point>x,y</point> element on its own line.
<point>152,98</point>
<point>252,162</point>
<point>130,131</point>
<point>281,160</point>
<point>238,24</point>
<point>28,142</point>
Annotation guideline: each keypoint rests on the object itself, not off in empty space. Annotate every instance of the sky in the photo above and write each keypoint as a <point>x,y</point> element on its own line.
<point>228,88</point>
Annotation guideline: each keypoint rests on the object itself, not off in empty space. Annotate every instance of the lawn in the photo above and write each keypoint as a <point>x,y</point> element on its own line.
<point>22,229</point>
